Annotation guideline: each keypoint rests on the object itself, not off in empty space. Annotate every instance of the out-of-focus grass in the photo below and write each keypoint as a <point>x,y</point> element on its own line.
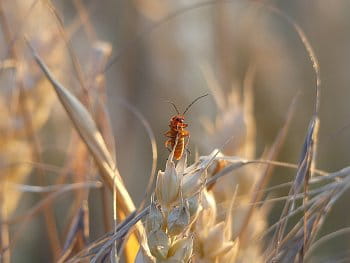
<point>165,50</point>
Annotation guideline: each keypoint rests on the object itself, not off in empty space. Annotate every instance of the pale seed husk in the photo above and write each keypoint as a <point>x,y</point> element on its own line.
<point>194,205</point>
<point>178,220</point>
<point>192,183</point>
<point>154,220</point>
<point>181,250</point>
<point>158,243</point>
<point>168,185</point>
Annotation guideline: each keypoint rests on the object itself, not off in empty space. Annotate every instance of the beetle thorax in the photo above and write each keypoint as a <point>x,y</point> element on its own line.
<point>178,121</point>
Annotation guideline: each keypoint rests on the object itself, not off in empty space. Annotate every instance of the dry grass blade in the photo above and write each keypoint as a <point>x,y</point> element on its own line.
<point>24,219</point>
<point>102,245</point>
<point>88,131</point>
<point>292,247</point>
<point>51,188</point>
<point>307,156</point>
<point>326,238</point>
<point>152,138</point>
<point>292,243</point>
<point>50,198</point>
<point>128,240</point>
<point>337,187</point>
<point>76,231</point>
<point>310,52</point>
<point>303,173</point>
<point>302,177</point>
<point>75,60</point>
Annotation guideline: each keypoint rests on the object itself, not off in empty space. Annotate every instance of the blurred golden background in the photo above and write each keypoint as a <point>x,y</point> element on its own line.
<point>143,53</point>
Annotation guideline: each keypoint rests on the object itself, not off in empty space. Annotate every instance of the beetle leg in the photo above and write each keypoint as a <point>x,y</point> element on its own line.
<point>169,134</point>
<point>167,142</point>
<point>186,144</point>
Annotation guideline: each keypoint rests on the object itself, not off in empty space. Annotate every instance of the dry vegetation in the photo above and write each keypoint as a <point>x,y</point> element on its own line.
<point>65,198</point>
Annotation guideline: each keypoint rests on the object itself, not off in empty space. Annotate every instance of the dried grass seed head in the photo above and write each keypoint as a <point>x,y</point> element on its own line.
<point>178,219</point>
<point>159,243</point>
<point>168,185</point>
<point>181,250</point>
<point>155,219</point>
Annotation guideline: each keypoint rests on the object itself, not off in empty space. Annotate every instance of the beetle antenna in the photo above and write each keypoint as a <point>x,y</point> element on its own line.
<point>189,106</point>
<point>172,103</point>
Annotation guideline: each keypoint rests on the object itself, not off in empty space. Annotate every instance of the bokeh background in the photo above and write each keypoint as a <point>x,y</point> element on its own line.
<point>158,50</point>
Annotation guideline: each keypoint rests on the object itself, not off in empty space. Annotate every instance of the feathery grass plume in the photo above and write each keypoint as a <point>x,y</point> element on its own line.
<point>235,118</point>
<point>213,239</point>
